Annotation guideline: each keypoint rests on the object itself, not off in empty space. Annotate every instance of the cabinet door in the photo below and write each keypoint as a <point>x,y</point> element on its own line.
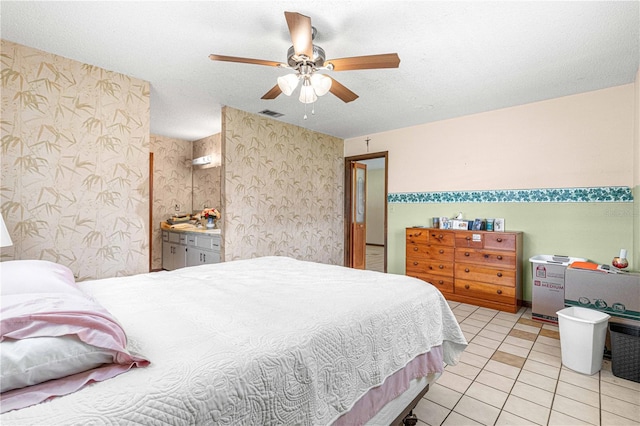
<point>194,256</point>
<point>180,256</point>
<point>201,257</point>
<point>167,256</point>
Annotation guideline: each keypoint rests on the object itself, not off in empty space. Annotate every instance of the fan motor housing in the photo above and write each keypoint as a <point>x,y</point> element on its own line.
<point>317,60</point>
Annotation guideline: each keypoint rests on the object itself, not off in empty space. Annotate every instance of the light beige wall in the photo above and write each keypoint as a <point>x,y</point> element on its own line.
<point>375,206</point>
<point>282,190</point>
<point>567,142</point>
<point>171,186</point>
<point>75,163</point>
<point>558,143</point>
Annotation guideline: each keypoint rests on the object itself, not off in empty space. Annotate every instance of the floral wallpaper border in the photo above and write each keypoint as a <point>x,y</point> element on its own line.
<point>608,194</point>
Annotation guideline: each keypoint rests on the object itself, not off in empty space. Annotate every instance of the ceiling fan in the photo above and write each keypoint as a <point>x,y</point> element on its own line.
<point>306,59</point>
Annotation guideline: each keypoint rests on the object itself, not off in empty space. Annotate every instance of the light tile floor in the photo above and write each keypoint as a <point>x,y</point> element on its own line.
<point>512,374</point>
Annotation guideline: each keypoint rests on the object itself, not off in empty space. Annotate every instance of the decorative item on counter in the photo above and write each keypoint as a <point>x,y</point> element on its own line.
<point>445,223</point>
<point>210,215</point>
<point>435,222</point>
<point>621,261</point>
<point>498,224</point>
<point>490,224</point>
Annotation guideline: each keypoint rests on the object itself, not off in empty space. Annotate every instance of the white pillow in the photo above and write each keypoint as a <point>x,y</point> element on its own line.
<point>34,276</point>
<point>34,360</point>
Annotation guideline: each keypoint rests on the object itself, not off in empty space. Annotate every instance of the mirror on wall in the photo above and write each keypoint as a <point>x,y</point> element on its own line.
<point>207,177</point>
<point>205,187</point>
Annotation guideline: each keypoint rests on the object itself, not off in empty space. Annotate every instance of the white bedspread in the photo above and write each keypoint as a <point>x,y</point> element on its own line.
<point>267,341</point>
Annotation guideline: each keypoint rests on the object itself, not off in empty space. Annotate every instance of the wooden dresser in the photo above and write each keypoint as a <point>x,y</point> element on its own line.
<point>477,267</point>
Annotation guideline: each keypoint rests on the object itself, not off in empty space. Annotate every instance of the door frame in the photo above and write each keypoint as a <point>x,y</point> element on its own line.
<point>347,200</point>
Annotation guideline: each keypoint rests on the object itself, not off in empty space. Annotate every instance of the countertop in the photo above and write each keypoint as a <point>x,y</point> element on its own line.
<point>188,228</point>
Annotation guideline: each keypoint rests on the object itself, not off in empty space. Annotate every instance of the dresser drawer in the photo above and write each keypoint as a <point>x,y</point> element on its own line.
<point>470,239</point>
<point>468,271</point>
<point>500,241</point>
<point>433,252</point>
<point>438,236</point>
<point>485,291</point>
<point>417,236</point>
<point>485,257</point>
<point>420,265</point>
<point>442,283</point>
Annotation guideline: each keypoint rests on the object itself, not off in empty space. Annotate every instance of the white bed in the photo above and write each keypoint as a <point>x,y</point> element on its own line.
<point>264,341</point>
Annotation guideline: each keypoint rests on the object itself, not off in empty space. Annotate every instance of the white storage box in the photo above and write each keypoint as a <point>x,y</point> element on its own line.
<point>617,294</point>
<point>547,291</point>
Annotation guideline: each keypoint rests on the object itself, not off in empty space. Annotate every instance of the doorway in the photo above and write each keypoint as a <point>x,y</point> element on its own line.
<point>376,240</point>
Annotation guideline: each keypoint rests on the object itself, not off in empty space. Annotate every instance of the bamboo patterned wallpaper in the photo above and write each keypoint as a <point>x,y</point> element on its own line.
<point>75,163</point>
<point>283,190</point>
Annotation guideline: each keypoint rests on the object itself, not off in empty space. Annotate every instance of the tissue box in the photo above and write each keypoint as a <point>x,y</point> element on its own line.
<point>459,224</point>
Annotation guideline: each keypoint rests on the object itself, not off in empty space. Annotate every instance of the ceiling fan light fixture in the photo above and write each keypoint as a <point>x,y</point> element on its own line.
<point>288,83</point>
<point>321,84</point>
<point>307,94</point>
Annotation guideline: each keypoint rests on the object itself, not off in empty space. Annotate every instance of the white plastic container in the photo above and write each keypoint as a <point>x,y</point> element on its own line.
<point>582,335</point>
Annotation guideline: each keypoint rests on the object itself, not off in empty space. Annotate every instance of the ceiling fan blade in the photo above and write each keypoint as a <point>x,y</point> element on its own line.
<point>300,30</point>
<point>342,92</point>
<point>273,93</point>
<point>244,60</point>
<point>387,60</point>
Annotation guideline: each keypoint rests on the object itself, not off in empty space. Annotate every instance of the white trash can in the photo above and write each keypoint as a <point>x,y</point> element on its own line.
<point>582,335</point>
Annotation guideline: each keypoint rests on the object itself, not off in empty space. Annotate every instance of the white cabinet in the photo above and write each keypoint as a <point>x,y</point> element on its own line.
<point>174,250</point>
<point>203,249</point>
<point>180,249</point>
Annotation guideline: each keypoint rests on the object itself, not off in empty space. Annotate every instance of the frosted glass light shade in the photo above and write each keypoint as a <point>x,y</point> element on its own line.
<point>307,94</point>
<point>5,238</point>
<point>288,83</point>
<point>321,84</point>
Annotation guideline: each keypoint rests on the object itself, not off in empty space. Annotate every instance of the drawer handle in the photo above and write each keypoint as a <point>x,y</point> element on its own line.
<point>415,249</point>
<point>499,240</point>
<point>440,282</point>
<point>441,266</point>
<point>440,251</point>
<point>499,292</point>
<point>466,253</point>
<point>499,257</point>
<point>466,286</point>
<point>467,238</point>
<point>415,263</point>
<point>499,274</point>
<point>466,269</point>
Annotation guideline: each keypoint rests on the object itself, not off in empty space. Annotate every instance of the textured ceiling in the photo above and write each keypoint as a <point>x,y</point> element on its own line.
<point>457,58</point>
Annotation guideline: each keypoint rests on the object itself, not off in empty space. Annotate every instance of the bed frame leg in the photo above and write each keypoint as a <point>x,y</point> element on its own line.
<point>410,419</point>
